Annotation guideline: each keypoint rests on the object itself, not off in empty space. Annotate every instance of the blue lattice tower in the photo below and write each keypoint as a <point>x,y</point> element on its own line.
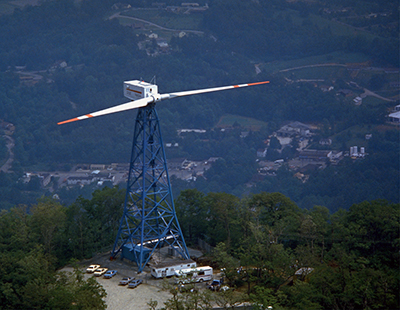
<point>149,220</point>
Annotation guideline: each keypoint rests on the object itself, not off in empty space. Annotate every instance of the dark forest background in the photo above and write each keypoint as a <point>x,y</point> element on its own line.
<point>343,221</point>
<point>101,53</point>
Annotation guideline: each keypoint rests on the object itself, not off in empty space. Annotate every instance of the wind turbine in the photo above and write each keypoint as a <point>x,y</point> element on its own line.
<point>149,220</point>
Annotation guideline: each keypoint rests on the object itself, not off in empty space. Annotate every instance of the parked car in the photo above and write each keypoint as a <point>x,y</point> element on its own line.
<point>92,268</point>
<point>126,280</point>
<point>135,283</point>
<point>100,271</point>
<point>224,288</point>
<point>110,273</point>
<point>215,285</point>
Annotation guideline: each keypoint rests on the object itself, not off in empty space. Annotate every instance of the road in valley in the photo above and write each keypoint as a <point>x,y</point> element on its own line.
<point>10,145</point>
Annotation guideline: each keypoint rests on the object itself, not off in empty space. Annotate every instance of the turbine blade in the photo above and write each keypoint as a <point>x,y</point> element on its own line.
<point>122,107</point>
<point>207,90</point>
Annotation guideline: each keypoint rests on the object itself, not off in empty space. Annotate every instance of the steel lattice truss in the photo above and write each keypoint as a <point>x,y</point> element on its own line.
<point>149,220</point>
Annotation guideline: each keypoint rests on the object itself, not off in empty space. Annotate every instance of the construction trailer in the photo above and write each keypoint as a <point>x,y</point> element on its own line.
<point>193,275</point>
<point>168,269</point>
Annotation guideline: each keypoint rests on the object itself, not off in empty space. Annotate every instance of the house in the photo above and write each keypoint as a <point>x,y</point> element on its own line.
<point>188,165</point>
<point>302,273</point>
<point>80,180</point>
<point>310,168</point>
<point>61,64</point>
<point>120,6</point>
<point>394,118</point>
<point>326,88</point>
<point>153,36</point>
<point>357,100</point>
<point>191,4</point>
<point>244,134</point>
<point>211,160</point>
<point>162,43</point>
<point>325,142</point>
<point>119,166</point>
<point>97,167</point>
<point>335,156</point>
<point>180,131</point>
<point>314,155</point>
<point>294,129</point>
<point>345,92</point>
<point>262,152</point>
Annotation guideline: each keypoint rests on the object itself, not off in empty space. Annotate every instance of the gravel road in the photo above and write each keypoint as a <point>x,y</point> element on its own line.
<point>122,297</point>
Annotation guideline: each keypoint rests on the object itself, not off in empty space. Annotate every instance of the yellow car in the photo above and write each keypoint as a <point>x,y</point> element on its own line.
<point>92,268</point>
<point>100,271</point>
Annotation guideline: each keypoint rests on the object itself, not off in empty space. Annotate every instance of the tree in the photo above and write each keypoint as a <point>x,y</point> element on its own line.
<point>277,212</point>
<point>93,224</point>
<point>222,213</point>
<point>72,291</point>
<point>264,298</point>
<point>48,223</point>
<point>274,143</point>
<point>370,229</point>
<point>228,299</point>
<point>227,262</point>
<point>190,209</point>
<point>185,298</point>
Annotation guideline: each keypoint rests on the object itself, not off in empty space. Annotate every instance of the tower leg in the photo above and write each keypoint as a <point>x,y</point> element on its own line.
<point>149,220</point>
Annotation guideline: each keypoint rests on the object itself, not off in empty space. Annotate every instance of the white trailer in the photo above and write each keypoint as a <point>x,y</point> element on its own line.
<point>192,275</point>
<point>169,269</point>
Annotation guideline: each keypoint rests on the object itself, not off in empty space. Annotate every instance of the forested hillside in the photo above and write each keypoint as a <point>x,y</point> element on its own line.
<point>67,58</point>
<point>261,240</point>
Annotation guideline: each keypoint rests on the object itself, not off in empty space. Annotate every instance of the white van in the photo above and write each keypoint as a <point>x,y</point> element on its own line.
<point>192,275</point>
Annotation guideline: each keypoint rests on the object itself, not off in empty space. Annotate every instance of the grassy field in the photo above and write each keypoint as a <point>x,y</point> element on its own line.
<point>353,136</point>
<point>168,19</point>
<point>248,123</point>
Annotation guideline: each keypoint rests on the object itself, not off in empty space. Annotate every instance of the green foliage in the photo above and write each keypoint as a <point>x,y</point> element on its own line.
<point>353,255</point>
<point>262,239</point>
<point>264,298</point>
<point>93,224</point>
<point>74,292</point>
<point>190,208</point>
<point>190,298</point>
<point>29,281</point>
<point>222,213</point>
<point>47,225</point>
<point>35,241</point>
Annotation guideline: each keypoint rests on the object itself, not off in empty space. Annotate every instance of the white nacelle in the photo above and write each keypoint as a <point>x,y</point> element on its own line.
<point>136,89</point>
